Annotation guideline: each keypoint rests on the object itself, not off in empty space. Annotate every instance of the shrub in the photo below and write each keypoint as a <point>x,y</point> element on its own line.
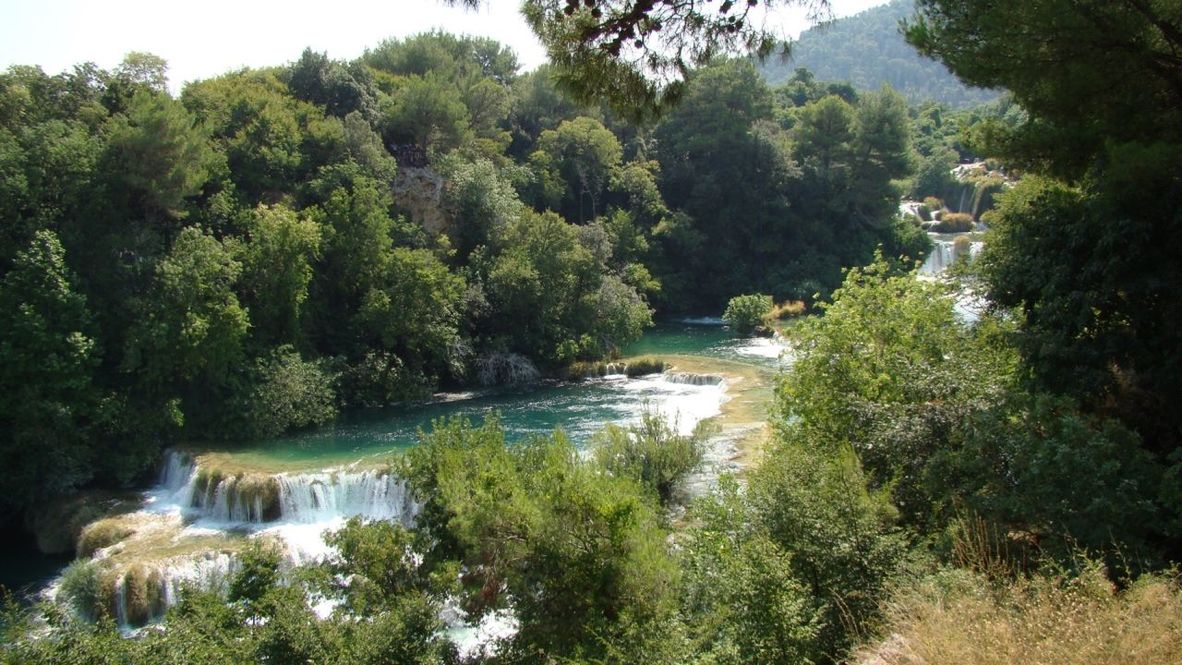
<point>100,534</point>
<point>787,310</point>
<point>644,366</point>
<point>925,213</point>
<point>962,246</point>
<point>289,393</point>
<point>745,313</point>
<point>652,453</point>
<point>933,204</point>
<point>954,222</point>
<point>500,368</point>
<point>80,589</point>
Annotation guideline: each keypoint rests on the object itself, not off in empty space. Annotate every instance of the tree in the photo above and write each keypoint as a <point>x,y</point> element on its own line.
<point>277,269</point>
<point>582,154</point>
<point>158,156</point>
<point>192,325</point>
<point>579,552</point>
<point>328,83</point>
<point>1102,88</point>
<point>47,361</point>
<point>426,111</point>
<point>1088,72</point>
<point>635,54</point>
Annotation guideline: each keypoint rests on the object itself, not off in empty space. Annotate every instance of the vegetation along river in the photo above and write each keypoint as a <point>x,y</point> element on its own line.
<point>210,502</point>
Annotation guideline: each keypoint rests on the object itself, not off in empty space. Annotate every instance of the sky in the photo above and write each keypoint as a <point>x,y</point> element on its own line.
<point>210,37</point>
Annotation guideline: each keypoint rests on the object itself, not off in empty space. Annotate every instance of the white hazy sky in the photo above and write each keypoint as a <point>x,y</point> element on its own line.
<point>204,38</point>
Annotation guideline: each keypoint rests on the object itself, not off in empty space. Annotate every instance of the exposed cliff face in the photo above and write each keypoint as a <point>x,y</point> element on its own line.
<point>419,191</point>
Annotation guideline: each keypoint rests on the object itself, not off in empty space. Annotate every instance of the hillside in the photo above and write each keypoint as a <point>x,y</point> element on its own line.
<point>867,50</point>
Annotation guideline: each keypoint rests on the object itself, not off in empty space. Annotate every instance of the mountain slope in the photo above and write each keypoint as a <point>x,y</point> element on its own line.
<point>867,50</point>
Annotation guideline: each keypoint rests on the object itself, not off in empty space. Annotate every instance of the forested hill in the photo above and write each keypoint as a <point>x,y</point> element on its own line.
<point>867,50</point>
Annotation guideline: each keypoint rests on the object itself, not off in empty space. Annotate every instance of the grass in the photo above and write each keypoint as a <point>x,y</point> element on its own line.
<point>990,610</point>
<point>962,617</point>
<point>103,533</point>
<point>787,310</point>
<point>954,222</point>
<point>644,366</point>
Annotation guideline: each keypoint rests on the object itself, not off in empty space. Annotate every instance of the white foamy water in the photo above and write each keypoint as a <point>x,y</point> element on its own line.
<point>772,348</point>
<point>680,399</point>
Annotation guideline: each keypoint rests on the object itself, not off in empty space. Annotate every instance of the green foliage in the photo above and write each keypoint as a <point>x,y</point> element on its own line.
<point>192,324</point>
<point>288,392</point>
<point>1019,466</point>
<point>792,569</point>
<point>157,156</point>
<point>257,574</point>
<point>545,279</point>
<point>651,453</point>
<point>774,210</point>
<point>578,551</point>
<point>746,313</point>
<point>426,111</point>
<point>47,363</point>
<point>81,588</point>
<point>277,269</point>
<point>481,201</point>
<point>580,156</point>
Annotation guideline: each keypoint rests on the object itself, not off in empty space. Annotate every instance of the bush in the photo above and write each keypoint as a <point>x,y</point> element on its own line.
<point>81,589</point>
<point>925,213</point>
<point>651,453</point>
<point>933,204</point>
<point>787,310</point>
<point>954,222</point>
<point>289,393</point>
<point>745,313</point>
<point>100,534</point>
<point>644,367</point>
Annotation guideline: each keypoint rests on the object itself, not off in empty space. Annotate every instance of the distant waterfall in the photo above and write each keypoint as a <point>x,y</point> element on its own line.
<point>945,252</point>
<point>291,497</point>
<point>694,379</point>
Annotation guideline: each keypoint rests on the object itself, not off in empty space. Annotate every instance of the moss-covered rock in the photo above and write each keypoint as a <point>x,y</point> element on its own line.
<point>58,525</point>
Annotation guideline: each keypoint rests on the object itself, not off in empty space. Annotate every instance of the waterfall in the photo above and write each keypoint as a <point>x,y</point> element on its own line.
<point>144,592</point>
<point>311,497</point>
<point>945,252</point>
<point>319,497</point>
<point>694,379</point>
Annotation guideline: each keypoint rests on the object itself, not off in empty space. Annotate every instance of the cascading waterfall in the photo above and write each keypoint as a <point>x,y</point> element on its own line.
<point>291,497</point>
<point>144,592</point>
<point>945,252</point>
<point>694,379</point>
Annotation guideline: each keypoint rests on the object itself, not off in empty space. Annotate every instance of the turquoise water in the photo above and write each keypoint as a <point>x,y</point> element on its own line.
<point>578,409</point>
<point>707,338</point>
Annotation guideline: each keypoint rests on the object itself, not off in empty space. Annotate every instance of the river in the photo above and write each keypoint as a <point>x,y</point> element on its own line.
<point>211,501</point>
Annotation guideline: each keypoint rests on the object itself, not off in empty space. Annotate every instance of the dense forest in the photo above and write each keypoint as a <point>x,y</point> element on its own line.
<point>277,245</point>
<point>868,51</point>
<point>997,486</point>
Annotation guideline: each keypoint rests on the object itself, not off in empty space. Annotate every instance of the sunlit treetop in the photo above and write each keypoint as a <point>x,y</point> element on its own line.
<point>636,54</point>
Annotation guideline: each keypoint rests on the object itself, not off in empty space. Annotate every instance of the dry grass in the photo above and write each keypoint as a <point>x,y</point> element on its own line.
<point>103,533</point>
<point>787,310</point>
<point>1035,620</point>
<point>987,611</point>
